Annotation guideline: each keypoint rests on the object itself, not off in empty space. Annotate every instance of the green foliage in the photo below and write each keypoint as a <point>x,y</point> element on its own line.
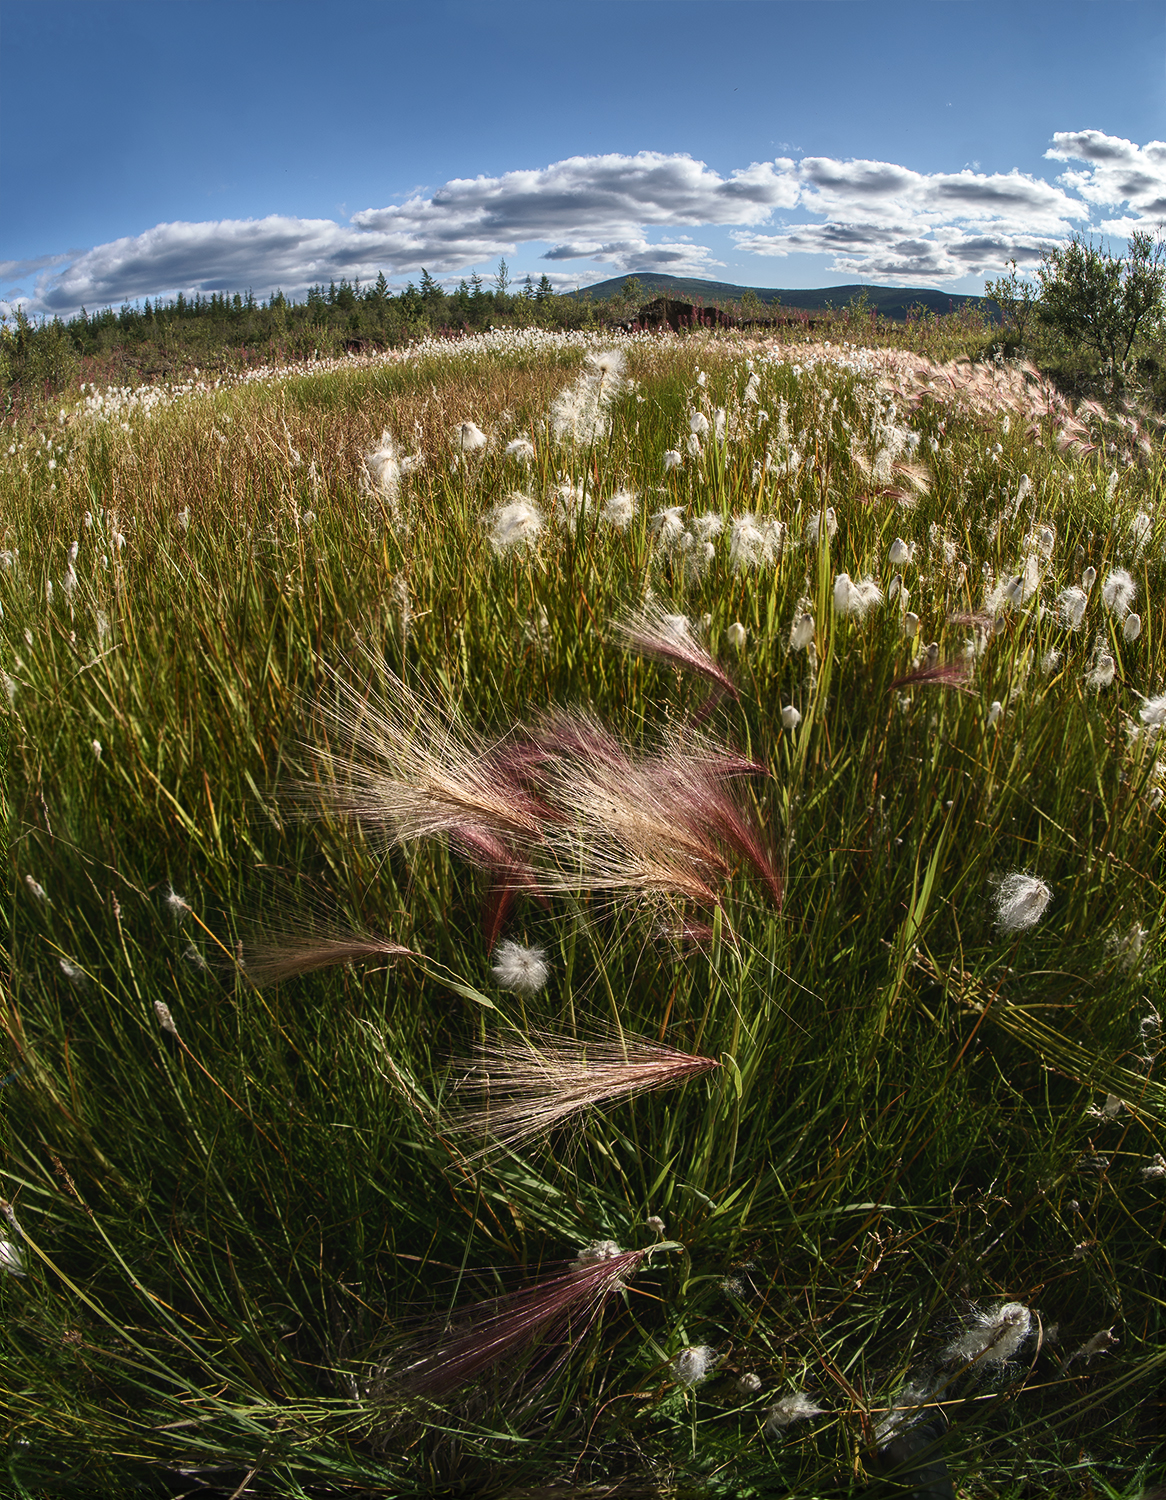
<point>1098,302</point>
<point>39,359</point>
<point>226,1232</point>
<point>1016,299</point>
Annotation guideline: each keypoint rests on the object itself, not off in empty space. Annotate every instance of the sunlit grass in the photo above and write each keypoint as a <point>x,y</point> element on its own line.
<point>232,1229</point>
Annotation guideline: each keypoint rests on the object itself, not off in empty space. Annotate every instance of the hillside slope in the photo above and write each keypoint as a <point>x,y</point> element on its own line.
<point>890,301</point>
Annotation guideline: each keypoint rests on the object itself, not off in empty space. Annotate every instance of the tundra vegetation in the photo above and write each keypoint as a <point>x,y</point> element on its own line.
<point>1090,318</point>
<point>583,918</point>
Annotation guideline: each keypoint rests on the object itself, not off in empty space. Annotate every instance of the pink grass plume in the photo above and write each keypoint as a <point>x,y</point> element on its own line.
<point>668,638</point>
<point>504,1337</point>
<point>523,1085</point>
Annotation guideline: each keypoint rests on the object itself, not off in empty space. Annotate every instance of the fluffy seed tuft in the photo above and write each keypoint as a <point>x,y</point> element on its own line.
<point>524,970</point>
<point>1021,901</point>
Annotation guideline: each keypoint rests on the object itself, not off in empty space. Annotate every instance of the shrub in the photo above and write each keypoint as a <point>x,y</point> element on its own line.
<point>1099,302</point>
<point>39,358</point>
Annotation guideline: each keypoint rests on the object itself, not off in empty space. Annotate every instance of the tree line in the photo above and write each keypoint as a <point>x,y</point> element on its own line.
<point>1094,320</point>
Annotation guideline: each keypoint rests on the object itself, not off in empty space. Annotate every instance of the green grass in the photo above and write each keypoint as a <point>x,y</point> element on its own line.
<point>227,1237</point>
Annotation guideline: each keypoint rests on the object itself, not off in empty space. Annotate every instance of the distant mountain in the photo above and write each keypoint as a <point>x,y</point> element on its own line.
<point>890,301</point>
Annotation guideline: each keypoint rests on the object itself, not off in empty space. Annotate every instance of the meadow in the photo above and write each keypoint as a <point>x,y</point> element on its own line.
<point>583,918</point>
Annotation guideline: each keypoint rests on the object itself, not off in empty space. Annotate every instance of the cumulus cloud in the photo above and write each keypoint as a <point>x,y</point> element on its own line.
<point>899,225</point>
<point>598,197</point>
<point>880,192</point>
<point>594,208</point>
<point>13,270</point>
<point>218,255</point>
<point>868,218</point>
<point>1119,173</point>
<point>907,253</point>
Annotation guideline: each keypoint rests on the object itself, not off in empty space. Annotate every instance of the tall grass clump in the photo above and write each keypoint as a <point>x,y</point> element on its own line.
<point>626,952</point>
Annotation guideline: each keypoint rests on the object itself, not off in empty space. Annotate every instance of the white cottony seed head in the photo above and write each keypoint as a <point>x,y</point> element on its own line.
<point>470,438</point>
<point>515,524</point>
<point>910,624</point>
<point>801,632</point>
<point>737,635</point>
<point>38,890</point>
<point>524,970</point>
<point>619,509</point>
<point>994,1336</point>
<point>1102,674</point>
<point>748,1384</point>
<point>1153,712</point>
<point>793,1408</point>
<point>165,1019</point>
<point>1103,1339</point>
<point>1088,578</point>
<point>606,363</point>
<point>597,1250</point>
<point>1021,901</point>
<point>790,717</point>
<point>855,599</point>
<point>994,711</point>
<point>1118,592</point>
<point>1071,605</point>
<point>693,1364</point>
<point>816,522</point>
<point>1131,627</point>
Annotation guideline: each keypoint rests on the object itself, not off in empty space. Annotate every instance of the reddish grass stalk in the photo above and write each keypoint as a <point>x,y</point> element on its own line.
<point>564,806</point>
<point>546,1319</point>
<point>411,769</point>
<point>952,674</point>
<point>690,782</point>
<point>668,638</point>
<point>527,1084</point>
<point>268,959</point>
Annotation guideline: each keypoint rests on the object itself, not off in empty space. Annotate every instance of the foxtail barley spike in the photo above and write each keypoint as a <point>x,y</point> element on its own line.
<point>271,958</point>
<point>528,1084</point>
<point>546,1319</point>
<point>669,639</point>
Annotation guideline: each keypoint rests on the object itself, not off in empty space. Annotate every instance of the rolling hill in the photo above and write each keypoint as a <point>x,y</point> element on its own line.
<point>890,301</point>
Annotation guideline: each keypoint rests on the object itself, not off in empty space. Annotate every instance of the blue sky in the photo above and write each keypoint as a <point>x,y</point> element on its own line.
<point>150,146</point>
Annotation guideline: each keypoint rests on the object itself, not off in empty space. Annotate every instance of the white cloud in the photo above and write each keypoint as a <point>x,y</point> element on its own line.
<point>871,219</point>
<point>595,208</point>
<point>599,197</point>
<point>681,258</point>
<point>907,253</point>
<point>882,193</point>
<point>12,270</point>
<point>1119,172</point>
<point>890,222</point>
<point>222,255</point>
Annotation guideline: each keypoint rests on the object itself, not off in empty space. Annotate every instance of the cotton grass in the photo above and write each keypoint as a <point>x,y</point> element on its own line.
<point>1021,901</point>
